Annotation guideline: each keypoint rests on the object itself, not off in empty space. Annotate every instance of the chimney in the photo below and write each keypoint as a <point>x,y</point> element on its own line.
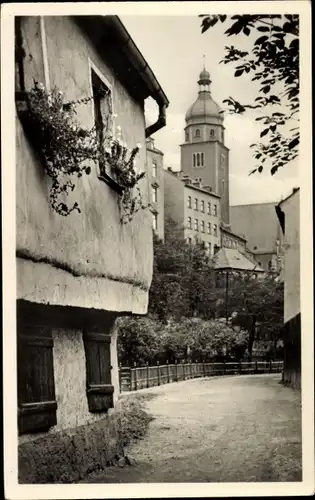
<point>208,188</point>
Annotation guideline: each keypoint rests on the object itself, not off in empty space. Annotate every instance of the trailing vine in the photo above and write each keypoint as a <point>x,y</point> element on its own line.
<point>67,150</point>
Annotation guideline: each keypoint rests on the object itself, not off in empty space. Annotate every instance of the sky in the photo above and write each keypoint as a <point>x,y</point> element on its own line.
<point>174,47</point>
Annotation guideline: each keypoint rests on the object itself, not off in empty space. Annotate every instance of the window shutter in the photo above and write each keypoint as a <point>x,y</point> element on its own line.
<point>36,388</point>
<point>98,371</point>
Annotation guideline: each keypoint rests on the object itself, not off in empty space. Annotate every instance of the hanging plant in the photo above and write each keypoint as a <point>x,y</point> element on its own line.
<point>122,163</point>
<point>66,149</point>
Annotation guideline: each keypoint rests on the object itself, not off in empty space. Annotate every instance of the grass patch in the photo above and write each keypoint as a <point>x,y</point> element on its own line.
<point>133,417</point>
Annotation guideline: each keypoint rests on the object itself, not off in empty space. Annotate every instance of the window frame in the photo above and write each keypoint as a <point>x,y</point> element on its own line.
<point>215,210</point>
<point>209,208</point>
<point>189,222</point>
<point>212,132</point>
<point>202,206</point>
<point>189,202</point>
<point>154,193</point>
<point>215,230</point>
<point>196,204</point>
<point>155,221</point>
<point>196,225</point>
<point>198,159</point>
<point>154,169</point>
<point>209,230</point>
<point>203,227</point>
<point>197,133</point>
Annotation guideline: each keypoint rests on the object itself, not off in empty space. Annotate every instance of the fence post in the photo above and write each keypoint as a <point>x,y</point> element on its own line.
<point>270,366</point>
<point>168,372</point>
<point>256,366</point>
<point>158,372</point>
<point>190,369</point>
<point>176,372</point>
<point>135,372</point>
<point>224,367</point>
<point>148,385</point>
<point>184,371</point>
<point>240,367</point>
<point>203,368</point>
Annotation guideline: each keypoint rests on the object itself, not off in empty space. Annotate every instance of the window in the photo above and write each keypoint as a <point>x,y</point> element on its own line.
<point>212,133</point>
<point>154,221</point>
<point>202,208</point>
<point>198,160</point>
<point>215,210</point>
<point>189,202</point>
<point>102,117</point>
<point>202,226</point>
<point>189,241</point>
<point>37,404</point>
<point>209,249</point>
<point>154,169</point>
<point>209,227</point>
<point>209,208</point>
<point>222,159</point>
<point>197,134</point>
<point>189,223</point>
<point>195,204</point>
<point>154,194</point>
<point>98,370</point>
<point>187,136</point>
<point>215,231</point>
<point>196,225</point>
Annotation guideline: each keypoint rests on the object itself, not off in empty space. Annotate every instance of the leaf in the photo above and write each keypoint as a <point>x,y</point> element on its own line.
<point>246,30</point>
<point>266,89</point>
<point>261,40</point>
<point>273,170</point>
<point>264,132</point>
<point>252,171</point>
<point>239,72</point>
<point>260,169</point>
<point>294,143</point>
<point>263,28</point>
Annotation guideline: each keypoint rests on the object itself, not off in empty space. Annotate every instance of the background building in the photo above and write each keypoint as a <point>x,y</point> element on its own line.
<point>204,154</point>
<point>288,212</point>
<point>194,207</point>
<point>155,173</point>
<point>257,223</point>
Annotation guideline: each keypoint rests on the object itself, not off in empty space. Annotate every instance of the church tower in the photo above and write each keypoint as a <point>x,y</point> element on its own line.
<point>204,154</point>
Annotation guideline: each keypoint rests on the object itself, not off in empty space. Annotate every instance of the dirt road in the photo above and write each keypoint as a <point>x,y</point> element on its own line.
<point>219,429</point>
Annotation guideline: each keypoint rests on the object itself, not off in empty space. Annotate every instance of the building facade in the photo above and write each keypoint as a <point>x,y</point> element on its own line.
<point>256,222</point>
<point>288,212</point>
<point>195,208</point>
<point>76,273</point>
<point>155,173</point>
<point>204,154</point>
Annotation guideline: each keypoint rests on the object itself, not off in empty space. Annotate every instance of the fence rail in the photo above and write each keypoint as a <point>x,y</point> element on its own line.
<point>133,379</point>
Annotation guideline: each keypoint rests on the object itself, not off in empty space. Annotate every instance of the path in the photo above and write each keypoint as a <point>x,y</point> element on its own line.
<point>219,429</point>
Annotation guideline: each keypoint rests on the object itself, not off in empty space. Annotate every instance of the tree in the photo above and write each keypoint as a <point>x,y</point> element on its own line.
<point>272,61</point>
<point>181,276</point>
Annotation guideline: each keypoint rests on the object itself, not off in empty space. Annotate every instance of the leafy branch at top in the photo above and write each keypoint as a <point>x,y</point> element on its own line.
<point>272,61</point>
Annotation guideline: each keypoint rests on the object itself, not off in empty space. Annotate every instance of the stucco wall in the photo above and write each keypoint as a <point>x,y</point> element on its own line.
<point>156,156</point>
<point>291,208</point>
<point>174,199</point>
<point>70,382</point>
<point>93,244</point>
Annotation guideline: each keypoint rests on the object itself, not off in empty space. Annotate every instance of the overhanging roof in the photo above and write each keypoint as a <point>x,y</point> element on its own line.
<point>230,258</point>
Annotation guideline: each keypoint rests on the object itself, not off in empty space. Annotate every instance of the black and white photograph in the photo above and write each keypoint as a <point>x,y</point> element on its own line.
<point>158,318</point>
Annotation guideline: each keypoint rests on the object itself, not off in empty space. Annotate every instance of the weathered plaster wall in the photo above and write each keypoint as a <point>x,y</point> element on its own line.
<point>291,208</point>
<point>156,156</point>
<point>174,199</point>
<point>93,244</point>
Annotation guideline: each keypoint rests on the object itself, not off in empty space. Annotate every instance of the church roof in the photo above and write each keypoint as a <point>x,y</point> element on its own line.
<point>204,107</point>
<point>230,258</point>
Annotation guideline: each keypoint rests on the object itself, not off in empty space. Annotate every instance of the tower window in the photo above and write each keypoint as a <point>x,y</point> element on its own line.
<point>196,225</point>
<point>187,136</point>
<point>198,159</point>
<point>189,223</point>
<point>197,134</point>
<point>154,195</point>
<point>154,169</point>
<point>212,132</point>
<point>196,204</point>
<point>154,221</point>
<point>189,202</point>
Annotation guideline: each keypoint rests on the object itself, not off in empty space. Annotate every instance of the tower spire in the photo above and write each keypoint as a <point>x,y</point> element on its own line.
<point>204,61</point>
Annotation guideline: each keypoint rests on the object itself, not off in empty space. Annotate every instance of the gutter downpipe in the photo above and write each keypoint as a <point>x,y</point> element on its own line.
<point>143,68</point>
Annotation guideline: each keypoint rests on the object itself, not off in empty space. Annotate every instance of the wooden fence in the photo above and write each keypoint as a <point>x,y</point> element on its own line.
<point>133,379</point>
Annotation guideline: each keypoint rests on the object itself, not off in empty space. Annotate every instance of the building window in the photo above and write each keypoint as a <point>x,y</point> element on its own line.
<point>103,117</point>
<point>154,221</point>
<point>209,249</point>
<point>37,404</point>
<point>212,132</point>
<point>189,223</point>
<point>202,208</point>
<point>209,208</point>
<point>187,136</point>
<point>154,169</point>
<point>222,159</point>
<point>189,202</point>
<point>198,160</point>
<point>215,230</point>
<point>154,194</point>
<point>215,210</point>
<point>189,241</point>
<point>196,225</point>
<point>209,227</point>
<point>202,226</point>
<point>197,132</point>
<point>195,204</point>
<point>98,370</point>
